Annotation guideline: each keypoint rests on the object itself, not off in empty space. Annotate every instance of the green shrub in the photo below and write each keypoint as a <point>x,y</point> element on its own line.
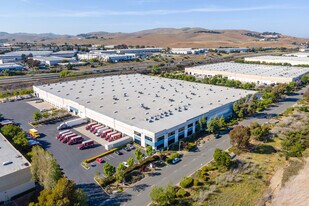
<point>181,193</point>
<point>186,182</point>
<point>196,183</point>
<point>106,181</point>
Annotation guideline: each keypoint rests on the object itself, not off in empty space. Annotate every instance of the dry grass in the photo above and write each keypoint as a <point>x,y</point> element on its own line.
<point>295,165</point>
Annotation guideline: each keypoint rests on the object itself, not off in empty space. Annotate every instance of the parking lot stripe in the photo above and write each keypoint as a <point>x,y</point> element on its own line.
<point>107,158</point>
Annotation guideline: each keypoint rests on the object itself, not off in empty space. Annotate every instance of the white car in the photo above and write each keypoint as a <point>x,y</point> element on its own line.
<point>125,164</point>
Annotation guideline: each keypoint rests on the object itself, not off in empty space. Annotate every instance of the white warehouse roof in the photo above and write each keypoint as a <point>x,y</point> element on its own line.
<point>10,154</point>
<point>146,102</point>
<point>280,59</point>
<point>253,69</point>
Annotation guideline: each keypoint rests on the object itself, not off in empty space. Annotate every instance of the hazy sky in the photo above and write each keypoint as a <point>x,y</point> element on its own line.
<point>79,16</point>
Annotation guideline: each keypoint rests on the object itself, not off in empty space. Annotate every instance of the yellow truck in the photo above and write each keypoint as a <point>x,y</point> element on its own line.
<point>34,133</point>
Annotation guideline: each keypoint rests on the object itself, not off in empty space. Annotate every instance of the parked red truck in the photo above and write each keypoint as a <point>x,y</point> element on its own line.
<point>114,137</point>
<point>86,144</point>
<point>62,133</point>
<point>108,135</point>
<point>88,127</point>
<point>97,129</point>
<point>75,140</point>
<point>63,136</point>
<point>94,127</point>
<point>103,134</point>
<point>68,137</point>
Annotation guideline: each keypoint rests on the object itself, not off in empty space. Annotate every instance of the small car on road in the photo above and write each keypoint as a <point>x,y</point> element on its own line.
<point>118,152</point>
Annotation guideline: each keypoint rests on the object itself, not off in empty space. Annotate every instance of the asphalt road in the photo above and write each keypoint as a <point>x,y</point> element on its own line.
<point>191,162</point>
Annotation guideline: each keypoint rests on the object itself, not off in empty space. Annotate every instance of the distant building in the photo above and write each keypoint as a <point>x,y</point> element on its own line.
<point>10,67</point>
<point>258,74</point>
<point>232,50</point>
<point>300,54</point>
<point>304,50</point>
<point>52,60</point>
<point>27,53</point>
<point>119,57</point>
<point>279,60</point>
<point>139,52</point>
<point>15,175</point>
<point>65,54</point>
<point>187,51</point>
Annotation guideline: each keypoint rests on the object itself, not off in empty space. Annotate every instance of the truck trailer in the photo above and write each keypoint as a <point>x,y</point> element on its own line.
<point>94,127</point>
<point>61,133</point>
<point>75,140</point>
<point>101,130</point>
<point>68,138</point>
<point>88,127</point>
<point>103,134</point>
<point>72,123</point>
<point>86,144</point>
<point>97,129</point>
<point>66,134</point>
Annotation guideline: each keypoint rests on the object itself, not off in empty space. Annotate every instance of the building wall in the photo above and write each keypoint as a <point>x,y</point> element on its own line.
<point>15,183</point>
<point>279,61</point>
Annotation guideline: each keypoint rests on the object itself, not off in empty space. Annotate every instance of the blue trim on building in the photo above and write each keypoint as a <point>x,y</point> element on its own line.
<point>180,133</point>
<point>190,129</point>
<point>159,143</point>
<point>171,137</point>
<point>138,138</point>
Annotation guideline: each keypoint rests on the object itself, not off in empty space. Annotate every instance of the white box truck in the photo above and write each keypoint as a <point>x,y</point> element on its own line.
<point>72,123</point>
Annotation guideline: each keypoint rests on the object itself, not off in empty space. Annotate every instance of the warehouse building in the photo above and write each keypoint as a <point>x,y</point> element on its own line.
<point>153,111</point>
<point>10,67</point>
<point>15,175</point>
<point>259,74</point>
<point>299,54</point>
<point>52,60</point>
<point>187,51</point>
<point>140,51</point>
<point>65,54</point>
<point>232,50</point>
<point>279,60</point>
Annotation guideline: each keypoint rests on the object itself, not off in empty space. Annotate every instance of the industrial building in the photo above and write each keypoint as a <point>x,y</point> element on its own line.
<point>153,111</point>
<point>299,54</point>
<point>15,175</point>
<point>140,51</point>
<point>110,56</point>
<point>259,74</point>
<point>52,60</point>
<point>279,60</point>
<point>65,54</point>
<point>10,67</point>
<point>187,51</point>
<point>232,50</point>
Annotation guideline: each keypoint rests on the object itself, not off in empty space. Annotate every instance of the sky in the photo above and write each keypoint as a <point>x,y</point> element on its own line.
<point>290,17</point>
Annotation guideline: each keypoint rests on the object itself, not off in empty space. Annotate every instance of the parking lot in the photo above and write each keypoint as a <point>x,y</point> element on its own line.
<point>69,157</point>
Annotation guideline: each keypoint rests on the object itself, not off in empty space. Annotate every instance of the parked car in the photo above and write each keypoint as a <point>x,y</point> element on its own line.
<point>125,164</point>
<point>38,100</point>
<point>118,152</point>
<point>176,160</point>
<point>126,149</point>
<point>217,136</point>
<point>100,160</point>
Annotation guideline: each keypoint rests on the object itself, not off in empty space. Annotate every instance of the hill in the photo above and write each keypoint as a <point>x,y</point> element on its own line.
<point>171,37</point>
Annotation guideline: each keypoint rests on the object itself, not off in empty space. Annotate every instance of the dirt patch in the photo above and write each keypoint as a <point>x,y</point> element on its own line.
<point>295,191</point>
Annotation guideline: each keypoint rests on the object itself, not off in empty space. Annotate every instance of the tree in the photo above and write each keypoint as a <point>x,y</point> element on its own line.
<point>69,66</point>
<point>10,130</point>
<point>37,116</point>
<point>44,168</point>
<point>240,137</point>
<point>186,182</point>
<point>120,172</point>
<point>33,64</point>
<point>130,162</point>
<point>45,114</point>
<point>258,131</point>
<point>149,150</point>
<point>65,73</point>
<point>109,170</point>
<point>139,155</point>
<point>65,193</point>
<point>222,158</point>
<point>213,125</point>
<point>157,195</point>
<point>162,196</point>
<point>20,139</point>
<point>155,69</point>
